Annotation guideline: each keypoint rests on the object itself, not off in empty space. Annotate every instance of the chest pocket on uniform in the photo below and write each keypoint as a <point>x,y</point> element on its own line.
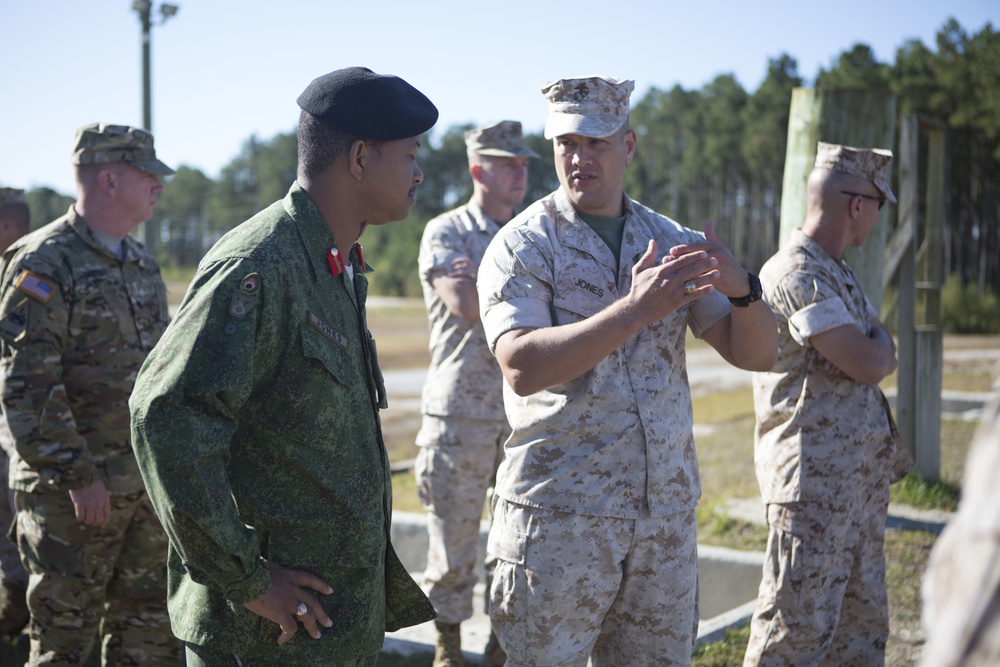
<point>331,353</point>
<point>119,304</point>
<point>577,298</point>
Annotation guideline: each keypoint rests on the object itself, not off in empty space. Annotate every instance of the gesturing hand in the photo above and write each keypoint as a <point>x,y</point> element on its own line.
<point>281,602</point>
<point>660,289</point>
<point>733,280</point>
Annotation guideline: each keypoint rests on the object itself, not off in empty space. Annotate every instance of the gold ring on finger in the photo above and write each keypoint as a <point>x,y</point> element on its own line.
<point>689,287</point>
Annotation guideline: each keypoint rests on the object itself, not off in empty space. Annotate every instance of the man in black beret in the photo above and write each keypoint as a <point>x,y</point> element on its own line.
<point>255,420</point>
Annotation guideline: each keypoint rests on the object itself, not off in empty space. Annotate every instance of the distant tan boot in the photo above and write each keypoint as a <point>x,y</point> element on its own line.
<point>448,652</point>
<point>13,609</point>
<point>494,655</point>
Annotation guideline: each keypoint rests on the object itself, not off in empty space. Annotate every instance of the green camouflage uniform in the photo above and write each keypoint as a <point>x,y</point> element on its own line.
<point>256,426</point>
<point>76,323</point>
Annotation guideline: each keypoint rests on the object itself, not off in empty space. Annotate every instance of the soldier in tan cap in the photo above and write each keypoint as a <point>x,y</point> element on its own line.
<point>826,447</point>
<point>81,304</point>
<point>586,297</point>
<point>14,220</point>
<point>464,426</point>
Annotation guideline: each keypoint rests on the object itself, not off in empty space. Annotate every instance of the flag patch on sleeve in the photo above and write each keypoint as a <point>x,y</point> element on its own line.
<point>35,286</point>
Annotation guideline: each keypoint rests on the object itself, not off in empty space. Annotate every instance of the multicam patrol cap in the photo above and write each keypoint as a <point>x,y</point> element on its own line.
<point>101,143</point>
<point>594,106</point>
<point>11,196</point>
<point>504,139</point>
<point>871,164</point>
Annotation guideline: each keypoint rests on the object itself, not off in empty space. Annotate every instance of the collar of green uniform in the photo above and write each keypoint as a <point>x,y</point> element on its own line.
<point>315,234</point>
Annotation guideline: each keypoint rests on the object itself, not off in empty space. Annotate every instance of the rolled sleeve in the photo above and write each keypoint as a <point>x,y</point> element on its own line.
<point>816,318</point>
<point>516,313</point>
<point>706,312</point>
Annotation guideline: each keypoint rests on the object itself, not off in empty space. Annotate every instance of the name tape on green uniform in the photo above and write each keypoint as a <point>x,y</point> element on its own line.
<point>324,329</point>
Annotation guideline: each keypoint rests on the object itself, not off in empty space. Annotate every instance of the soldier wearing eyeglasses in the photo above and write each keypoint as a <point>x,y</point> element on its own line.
<point>826,448</point>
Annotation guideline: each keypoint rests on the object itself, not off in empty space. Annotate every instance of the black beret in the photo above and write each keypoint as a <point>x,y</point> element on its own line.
<point>373,106</point>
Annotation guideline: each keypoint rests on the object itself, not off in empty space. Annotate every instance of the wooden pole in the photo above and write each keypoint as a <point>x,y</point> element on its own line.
<point>862,118</point>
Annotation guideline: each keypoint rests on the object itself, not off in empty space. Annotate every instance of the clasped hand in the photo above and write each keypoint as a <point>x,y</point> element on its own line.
<point>686,273</point>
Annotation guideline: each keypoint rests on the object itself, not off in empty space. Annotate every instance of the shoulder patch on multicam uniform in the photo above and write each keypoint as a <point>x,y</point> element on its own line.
<point>35,286</point>
<point>14,323</point>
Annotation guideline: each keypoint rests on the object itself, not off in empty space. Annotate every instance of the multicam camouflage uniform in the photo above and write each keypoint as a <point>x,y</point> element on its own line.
<point>961,590</point>
<point>12,573</point>
<point>76,323</point>
<point>594,459</point>
<point>256,425</point>
<point>825,455</point>
<point>464,425</point>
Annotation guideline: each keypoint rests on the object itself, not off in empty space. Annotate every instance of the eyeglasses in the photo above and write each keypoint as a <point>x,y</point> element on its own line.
<point>880,199</point>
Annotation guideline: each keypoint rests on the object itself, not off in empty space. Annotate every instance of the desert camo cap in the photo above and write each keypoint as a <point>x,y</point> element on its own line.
<point>594,106</point>
<point>872,164</point>
<point>11,196</point>
<point>102,143</point>
<point>505,139</point>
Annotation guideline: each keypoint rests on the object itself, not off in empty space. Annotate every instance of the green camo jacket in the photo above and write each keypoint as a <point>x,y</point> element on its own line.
<point>76,324</point>
<point>256,427</point>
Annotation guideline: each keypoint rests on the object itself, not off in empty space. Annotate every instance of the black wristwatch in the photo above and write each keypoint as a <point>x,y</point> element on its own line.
<point>756,292</point>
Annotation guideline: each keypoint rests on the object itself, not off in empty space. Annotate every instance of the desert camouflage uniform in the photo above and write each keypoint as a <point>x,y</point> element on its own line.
<point>825,454</point>
<point>608,453</point>
<point>464,426</point>
<point>76,323</point>
<point>961,591</point>
<point>256,425</point>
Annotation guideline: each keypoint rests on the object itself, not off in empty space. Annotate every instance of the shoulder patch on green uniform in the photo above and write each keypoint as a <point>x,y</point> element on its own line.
<point>15,322</point>
<point>250,284</point>
<point>35,286</point>
<point>241,304</point>
<point>245,296</point>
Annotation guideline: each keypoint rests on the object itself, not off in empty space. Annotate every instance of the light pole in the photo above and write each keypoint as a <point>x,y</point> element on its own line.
<point>143,8</point>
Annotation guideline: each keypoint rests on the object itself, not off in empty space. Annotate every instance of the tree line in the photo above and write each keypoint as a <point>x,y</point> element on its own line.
<point>714,153</point>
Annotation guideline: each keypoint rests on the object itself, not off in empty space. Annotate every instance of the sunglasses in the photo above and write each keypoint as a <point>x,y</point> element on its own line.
<point>880,199</point>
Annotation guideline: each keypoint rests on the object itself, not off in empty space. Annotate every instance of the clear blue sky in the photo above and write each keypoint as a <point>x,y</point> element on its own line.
<point>224,70</point>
